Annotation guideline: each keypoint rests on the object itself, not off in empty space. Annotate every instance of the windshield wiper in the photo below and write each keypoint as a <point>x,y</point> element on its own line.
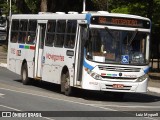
<point>108,30</point>
<point>133,36</point>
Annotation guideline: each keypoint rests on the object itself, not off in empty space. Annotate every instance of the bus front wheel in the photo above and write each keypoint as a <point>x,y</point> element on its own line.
<point>24,74</point>
<point>65,84</point>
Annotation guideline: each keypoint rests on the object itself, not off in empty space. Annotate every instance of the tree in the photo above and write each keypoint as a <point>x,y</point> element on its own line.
<point>4,8</point>
<point>101,5</point>
<point>44,6</point>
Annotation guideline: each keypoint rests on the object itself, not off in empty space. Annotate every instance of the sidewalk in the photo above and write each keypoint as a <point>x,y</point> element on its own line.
<point>154,82</point>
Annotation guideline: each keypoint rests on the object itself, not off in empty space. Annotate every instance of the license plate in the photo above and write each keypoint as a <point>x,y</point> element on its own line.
<point>118,86</point>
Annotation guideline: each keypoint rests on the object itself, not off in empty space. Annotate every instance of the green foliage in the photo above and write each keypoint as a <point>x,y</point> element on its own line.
<point>101,4</point>
<point>123,9</point>
<point>156,12</point>
<point>129,7</point>
<point>146,8</point>
<point>5,7</point>
<point>32,5</point>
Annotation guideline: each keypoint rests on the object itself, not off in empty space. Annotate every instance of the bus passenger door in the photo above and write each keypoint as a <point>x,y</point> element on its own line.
<point>39,50</point>
<point>79,54</point>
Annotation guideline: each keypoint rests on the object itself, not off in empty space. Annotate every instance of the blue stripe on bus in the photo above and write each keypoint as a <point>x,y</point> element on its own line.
<point>85,64</point>
<point>21,46</point>
<point>146,70</point>
<point>88,18</point>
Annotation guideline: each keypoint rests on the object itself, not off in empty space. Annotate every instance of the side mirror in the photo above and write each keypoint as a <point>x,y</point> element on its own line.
<point>85,34</point>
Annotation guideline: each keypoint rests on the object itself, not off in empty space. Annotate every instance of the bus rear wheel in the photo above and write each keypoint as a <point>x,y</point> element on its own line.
<point>65,84</point>
<point>24,75</point>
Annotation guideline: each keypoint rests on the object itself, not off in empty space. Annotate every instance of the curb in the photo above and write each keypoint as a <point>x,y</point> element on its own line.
<point>3,65</point>
<point>154,89</point>
<point>150,89</point>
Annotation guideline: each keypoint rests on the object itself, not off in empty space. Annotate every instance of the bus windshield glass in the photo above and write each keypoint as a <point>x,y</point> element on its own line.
<point>117,46</point>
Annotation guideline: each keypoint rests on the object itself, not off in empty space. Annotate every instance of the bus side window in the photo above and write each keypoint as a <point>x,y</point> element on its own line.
<point>14,31</point>
<point>32,26</point>
<point>60,33</point>
<point>70,34</point>
<point>14,37</point>
<point>51,26</point>
<point>23,34</point>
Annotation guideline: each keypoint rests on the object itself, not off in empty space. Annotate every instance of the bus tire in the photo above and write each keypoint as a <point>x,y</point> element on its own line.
<point>24,75</point>
<point>65,84</point>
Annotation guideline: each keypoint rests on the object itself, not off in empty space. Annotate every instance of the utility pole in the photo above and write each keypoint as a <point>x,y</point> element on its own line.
<point>9,3</point>
<point>107,5</point>
<point>84,5</point>
<point>10,9</point>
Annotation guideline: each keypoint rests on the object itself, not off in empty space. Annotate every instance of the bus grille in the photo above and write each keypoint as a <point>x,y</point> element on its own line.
<point>118,78</point>
<point>119,69</point>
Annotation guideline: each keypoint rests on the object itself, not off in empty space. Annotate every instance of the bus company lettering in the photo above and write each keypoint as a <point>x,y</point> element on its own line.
<point>55,57</point>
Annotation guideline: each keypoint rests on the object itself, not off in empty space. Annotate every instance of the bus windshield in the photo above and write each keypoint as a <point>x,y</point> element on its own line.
<point>117,46</point>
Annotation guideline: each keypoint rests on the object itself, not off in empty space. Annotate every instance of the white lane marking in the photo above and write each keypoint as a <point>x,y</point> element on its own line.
<point>118,106</point>
<point>48,118</point>
<point>57,99</point>
<point>11,108</point>
<point>1,95</point>
<point>154,89</point>
<point>3,65</point>
<point>93,105</point>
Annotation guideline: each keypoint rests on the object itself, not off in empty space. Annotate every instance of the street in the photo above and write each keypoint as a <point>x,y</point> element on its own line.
<point>42,96</point>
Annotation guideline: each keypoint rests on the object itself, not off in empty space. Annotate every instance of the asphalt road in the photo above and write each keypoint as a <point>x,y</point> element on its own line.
<point>45,98</point>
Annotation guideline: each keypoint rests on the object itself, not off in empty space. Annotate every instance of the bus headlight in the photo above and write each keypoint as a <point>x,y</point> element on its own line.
<point>142,78</point>
<point>94,75</point>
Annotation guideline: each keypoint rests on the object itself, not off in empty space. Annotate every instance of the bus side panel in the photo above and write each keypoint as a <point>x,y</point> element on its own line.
<point>19,58</point>
<point>29,56</point>
<point>18,66</point>
<point>54,60</point>
<point>51,69</point>
<point>30,69</point>
<point>12,57</point>
<point>47,69</point>
<point>24,54</point>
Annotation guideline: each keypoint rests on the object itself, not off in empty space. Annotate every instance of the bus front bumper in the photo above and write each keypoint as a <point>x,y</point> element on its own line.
<point>138,87</point>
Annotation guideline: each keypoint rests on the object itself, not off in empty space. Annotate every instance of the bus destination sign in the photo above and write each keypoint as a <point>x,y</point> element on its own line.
<point>120,21</point>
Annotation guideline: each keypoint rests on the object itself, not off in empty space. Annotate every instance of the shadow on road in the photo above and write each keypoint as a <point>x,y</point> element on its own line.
<point>98,95</point>
<point>109,96</point>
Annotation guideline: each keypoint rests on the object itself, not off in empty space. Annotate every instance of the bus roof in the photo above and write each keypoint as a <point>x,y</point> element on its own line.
<point>73,15</point>
<point>48,16</point>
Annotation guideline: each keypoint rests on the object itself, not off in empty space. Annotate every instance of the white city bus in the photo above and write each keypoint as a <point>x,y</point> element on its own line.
<point>95,50</point>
